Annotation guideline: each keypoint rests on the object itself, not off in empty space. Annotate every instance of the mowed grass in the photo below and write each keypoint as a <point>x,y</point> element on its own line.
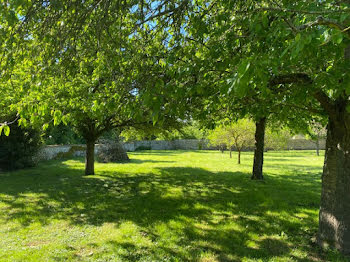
<point>164,206</point>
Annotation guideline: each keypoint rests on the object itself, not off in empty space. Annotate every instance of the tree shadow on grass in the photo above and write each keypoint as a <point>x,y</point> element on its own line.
<point>132,161</point>
<point>294,153</point>
<point>205,204</point>
<point>142,161</point>
<point>159,152</point>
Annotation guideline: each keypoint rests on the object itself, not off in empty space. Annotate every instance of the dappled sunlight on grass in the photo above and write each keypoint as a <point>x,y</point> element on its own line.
<point>164,206</point>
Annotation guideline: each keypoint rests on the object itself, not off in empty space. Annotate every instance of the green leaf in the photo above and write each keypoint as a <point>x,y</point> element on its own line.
<point>337,37</point>
<point>343,17</point>
<point>325,37</point>
<point>6,130</point>
<point>155,119</point>
<point>57,117</point>
<point>285,51</point>
<point>243,68</point>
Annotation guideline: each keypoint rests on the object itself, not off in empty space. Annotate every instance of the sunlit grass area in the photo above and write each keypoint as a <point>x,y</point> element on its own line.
<point>164,206</point>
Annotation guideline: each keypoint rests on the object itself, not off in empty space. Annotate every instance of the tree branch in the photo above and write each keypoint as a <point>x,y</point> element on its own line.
<point>325,102</point>
<point>322,21</point>
<point>304,108</point>
<point>163,13</point>
<point>294,78</point>
<point>303,78</point>
<point>316,12</point>
<point>11,122</point>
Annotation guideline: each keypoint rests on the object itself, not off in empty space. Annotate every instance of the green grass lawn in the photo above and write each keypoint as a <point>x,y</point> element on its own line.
<point>164,206</point>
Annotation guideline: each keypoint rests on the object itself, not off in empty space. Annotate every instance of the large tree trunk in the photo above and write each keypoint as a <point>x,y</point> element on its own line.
<point>239,157</point>
<point>90,158</point>
<point>230,152</point>
<point>259,149</point>
<point>334,218</point>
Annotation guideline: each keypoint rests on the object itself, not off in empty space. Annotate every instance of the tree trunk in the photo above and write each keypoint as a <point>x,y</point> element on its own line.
<point>230,152</point>
<point>259,149</point>
<point>239,157</point>
<point>90,158</point>
<point>334,217</point>
<point>317,147</point>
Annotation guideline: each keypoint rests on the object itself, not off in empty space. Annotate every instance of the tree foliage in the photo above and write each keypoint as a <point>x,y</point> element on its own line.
<point>316,132</point>
<point>238,136</point>
<point>93,69</point>
<point>177,130</point>
<point>105,64</point>
<point>19,148</point>
<point>277,139</point>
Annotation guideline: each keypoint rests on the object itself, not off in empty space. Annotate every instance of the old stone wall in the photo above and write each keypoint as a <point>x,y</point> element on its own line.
<point>68,151</point>
<point>304,144</point>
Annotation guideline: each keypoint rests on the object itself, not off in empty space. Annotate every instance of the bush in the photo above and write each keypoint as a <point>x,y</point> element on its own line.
<point>18,150</point>
<point>112,152</point>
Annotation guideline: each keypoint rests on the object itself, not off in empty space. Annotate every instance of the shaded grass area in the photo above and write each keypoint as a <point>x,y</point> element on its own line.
<point>164,206</point>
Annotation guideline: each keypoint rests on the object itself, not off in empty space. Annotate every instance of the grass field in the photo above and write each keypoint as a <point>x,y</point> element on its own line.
<point>164,206</point>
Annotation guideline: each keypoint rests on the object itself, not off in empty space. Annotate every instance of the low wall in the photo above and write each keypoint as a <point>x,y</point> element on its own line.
<point>183,144</point>
<point>68,151</point>
<point>63,151</point>
<point>303,144</point>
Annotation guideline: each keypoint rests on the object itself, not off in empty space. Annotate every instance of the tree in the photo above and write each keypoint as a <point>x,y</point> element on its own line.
<point>277,139</point>
<point>96,79</point>
<point>217,137</point>
<point>238,136</point>
<point>212,59</point>
<point>301,48</point>
<point>316,133</point>
<point>93,100</point>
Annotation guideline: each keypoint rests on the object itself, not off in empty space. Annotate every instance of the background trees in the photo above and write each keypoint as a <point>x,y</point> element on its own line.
<point>168,131</point>
<point>218,138</point>
<point>316,132</point>
<point>277,139</point>
<point>236,136</point>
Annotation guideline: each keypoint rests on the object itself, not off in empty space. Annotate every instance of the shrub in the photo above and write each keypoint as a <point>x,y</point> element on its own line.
<point>18,150</point>
<point>112,152</point>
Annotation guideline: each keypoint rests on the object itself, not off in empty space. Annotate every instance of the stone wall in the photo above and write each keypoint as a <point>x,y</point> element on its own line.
<point>68,151</point>
<point>183,144</point>
<point>303,144</point>
<point>63,151</point>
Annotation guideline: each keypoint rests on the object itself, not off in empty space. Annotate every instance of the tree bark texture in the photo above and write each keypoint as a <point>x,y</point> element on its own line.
<point>334,217</point>
<point>259,149</point>
<point>90,158</point>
